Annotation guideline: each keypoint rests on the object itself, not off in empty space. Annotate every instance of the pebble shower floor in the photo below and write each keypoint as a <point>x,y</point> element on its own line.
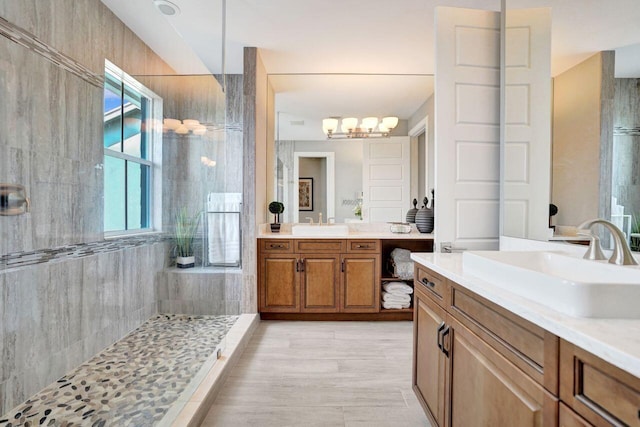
<point>133,382</point>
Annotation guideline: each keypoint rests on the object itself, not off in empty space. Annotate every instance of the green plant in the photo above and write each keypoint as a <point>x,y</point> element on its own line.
<point>635,229</point>
<point>358,210</point>
<point>186,228</point>
<point>276,208</point>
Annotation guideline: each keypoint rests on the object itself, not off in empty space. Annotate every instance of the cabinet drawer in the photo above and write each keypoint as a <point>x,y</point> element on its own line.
<point>365,246</point>
<point>276,245</point>
<point>528,346</point>
<point>597,390</point>
<point>432,283</point>
<point>320,246</point>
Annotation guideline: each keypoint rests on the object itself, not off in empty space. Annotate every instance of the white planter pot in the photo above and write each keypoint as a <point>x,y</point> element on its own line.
<point>185,261</point>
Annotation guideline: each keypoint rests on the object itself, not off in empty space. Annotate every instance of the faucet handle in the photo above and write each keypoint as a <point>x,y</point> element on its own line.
<point>595,249</point>
<point>310,219</point>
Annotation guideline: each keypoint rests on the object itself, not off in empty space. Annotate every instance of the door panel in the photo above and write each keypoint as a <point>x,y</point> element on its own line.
<point>361,283</point>
<point>467,120</point>
<point>386,170</point>
<point>281,288</point>
<point>488,390</point>
<point>527,176</point>
<point>429,372</point>
<point>320,280</point>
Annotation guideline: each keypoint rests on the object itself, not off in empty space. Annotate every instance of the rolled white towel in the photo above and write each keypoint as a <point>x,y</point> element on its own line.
<point>397,288</point>
<point>401,298</point>
<point>394,305</point>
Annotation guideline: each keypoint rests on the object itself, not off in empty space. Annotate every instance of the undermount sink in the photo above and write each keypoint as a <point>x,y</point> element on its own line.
<point>572,286</point>
<point>329,230</point>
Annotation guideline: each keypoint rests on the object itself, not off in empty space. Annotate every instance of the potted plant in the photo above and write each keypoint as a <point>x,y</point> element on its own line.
<point>186,228</point>
<point>276,208</point>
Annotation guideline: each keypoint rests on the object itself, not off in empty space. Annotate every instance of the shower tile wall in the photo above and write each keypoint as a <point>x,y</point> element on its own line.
<point>55,315</point>
<point>200,292</point>
<point>58,314</point>
<point>52,140</point>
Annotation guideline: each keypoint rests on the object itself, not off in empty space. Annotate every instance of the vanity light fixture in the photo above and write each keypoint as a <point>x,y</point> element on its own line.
<point>369,127</point>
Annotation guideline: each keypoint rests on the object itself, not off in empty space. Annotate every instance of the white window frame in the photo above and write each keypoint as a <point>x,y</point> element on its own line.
<point>154,129</point>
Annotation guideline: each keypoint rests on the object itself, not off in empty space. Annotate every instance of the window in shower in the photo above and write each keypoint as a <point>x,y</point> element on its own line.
<point>129,113</point>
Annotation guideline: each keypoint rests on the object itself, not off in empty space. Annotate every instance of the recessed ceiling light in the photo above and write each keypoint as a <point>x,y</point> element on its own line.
<point>166,7</point>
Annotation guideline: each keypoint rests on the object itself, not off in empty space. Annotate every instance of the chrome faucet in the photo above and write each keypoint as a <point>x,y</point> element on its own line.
<point>310,219</point>
<point>320,218</point>
<point>621,251</point>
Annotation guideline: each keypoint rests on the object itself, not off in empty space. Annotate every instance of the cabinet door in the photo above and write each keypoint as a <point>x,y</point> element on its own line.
<point>429,362</point>
<point>488,390</point>
<point>320,280</point>
<point>279,284</point>
<point>360,292</point>
<point>568,418</point>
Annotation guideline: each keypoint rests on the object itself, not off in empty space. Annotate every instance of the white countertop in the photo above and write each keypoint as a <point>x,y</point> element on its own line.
<point>352,235</point>
<point>615,340</point>
<point>379,230</point>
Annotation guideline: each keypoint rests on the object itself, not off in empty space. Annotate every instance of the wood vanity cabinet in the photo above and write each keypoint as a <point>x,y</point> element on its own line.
<point>465,373</point>
<point>478,364</point>
<point>597,392</point>
<point>319,276</point>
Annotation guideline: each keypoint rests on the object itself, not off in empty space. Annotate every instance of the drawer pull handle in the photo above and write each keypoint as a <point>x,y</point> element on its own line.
<point>362,246</point>
<point>427,283</point>
<point>273,246</point>
<point>302,265</point>
<point>440,329</point>
<point>444,334</point>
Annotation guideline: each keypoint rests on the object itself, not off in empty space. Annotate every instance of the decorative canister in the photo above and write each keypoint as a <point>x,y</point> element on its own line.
<point>424,218</point>
<point>411,213</point>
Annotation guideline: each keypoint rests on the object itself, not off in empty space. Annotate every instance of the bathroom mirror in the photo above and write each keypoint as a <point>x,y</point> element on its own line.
<point>302,150</point>
<point>590,127</point>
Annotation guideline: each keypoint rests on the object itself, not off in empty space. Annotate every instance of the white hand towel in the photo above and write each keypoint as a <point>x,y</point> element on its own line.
<point>224,228</point>
<point>397,288</point>
<point>394,305</point>
<point>401,298</point>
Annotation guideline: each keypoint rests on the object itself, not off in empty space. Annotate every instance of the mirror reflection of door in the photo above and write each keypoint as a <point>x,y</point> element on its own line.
<point>314,194</point>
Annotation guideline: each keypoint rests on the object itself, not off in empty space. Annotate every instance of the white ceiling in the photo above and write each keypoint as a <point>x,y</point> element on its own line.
<point>357,36</point>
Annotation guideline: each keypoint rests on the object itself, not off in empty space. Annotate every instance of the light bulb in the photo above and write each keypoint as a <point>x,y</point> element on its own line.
<point>390,122</point>
<point>369,123</point>
<point>171,124</point>
<point>200,130</point>
<point>329,125</point>
<point>182,130</point>
<point>191,124</point>
<point>349,124</point>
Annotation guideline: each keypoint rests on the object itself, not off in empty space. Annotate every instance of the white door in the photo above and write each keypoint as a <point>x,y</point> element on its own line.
<point>527,155</point>
<point>386,179</point>
<point>467,125</point>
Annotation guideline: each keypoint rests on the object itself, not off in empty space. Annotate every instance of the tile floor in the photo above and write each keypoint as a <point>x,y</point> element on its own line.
<point>133,382</point>
<point>322,374</point>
